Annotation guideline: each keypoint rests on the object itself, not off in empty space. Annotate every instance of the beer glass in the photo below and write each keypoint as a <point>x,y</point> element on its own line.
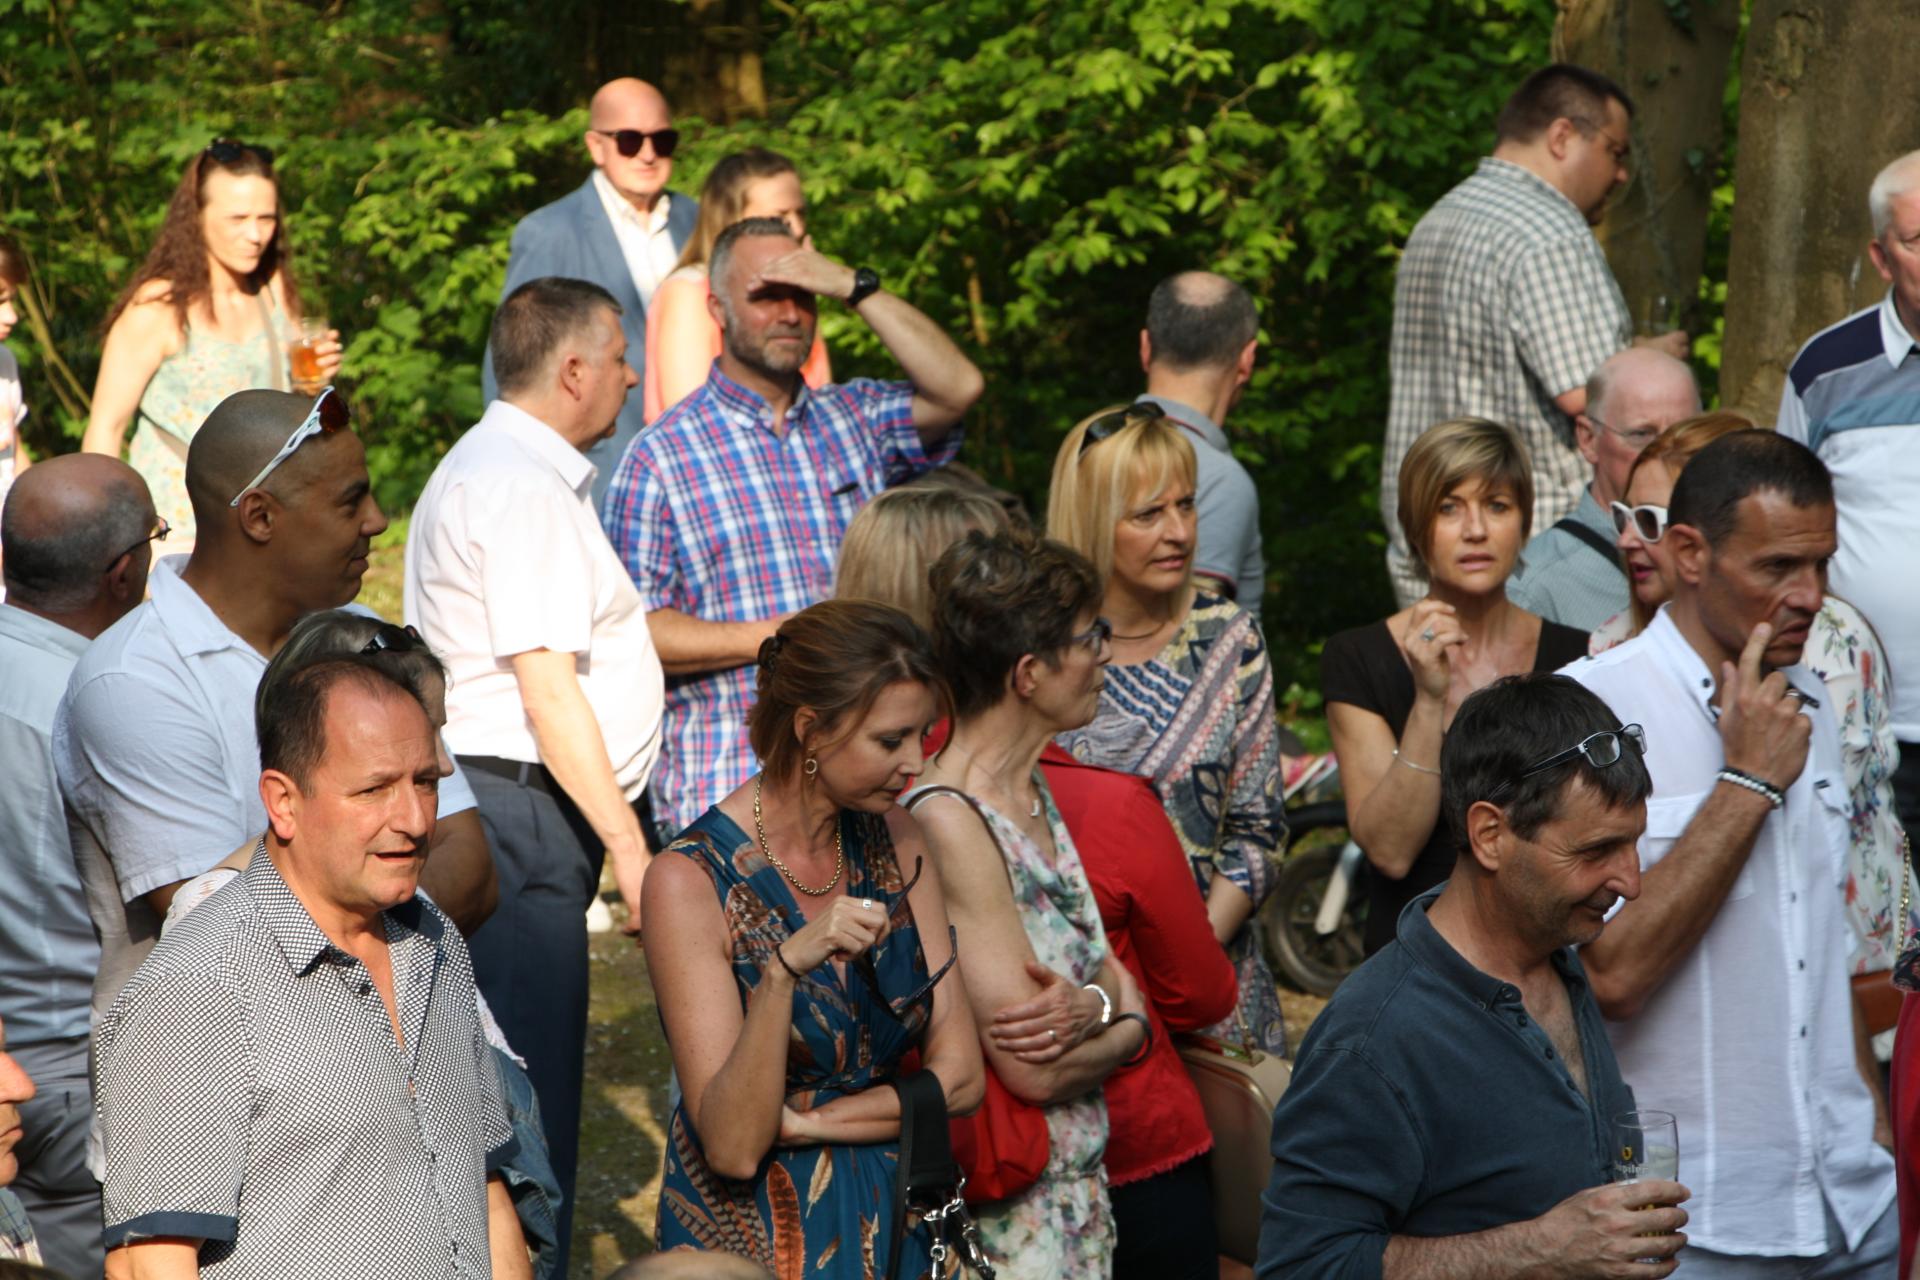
<point>303,355</point>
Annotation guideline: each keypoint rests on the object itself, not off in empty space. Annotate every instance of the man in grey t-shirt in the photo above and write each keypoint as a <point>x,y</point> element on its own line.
<point>1198,350</point>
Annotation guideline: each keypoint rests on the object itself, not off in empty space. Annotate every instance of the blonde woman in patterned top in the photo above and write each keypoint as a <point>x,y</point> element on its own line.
<point>1188,700</point>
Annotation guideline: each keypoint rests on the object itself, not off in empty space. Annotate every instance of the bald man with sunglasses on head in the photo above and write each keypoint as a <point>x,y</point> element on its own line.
<point>620,229</point>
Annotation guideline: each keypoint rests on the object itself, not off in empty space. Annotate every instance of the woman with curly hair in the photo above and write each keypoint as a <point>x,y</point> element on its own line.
<point>209,313</point>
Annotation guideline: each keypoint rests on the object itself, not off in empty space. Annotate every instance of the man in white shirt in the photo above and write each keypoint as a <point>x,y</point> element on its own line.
<point>154,742</point>
<point>1727,978</point>
<point>621,229</point>
<point>554,691</point>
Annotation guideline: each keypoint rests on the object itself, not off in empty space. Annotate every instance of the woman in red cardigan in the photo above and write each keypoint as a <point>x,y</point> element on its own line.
<point>1154,918</point>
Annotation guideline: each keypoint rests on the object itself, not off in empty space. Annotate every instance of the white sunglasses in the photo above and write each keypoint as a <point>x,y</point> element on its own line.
<point>328,415</point>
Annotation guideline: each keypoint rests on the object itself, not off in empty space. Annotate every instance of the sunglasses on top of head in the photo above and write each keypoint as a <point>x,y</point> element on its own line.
<point>629,141</point>
<point>1111,424</point>
<point>1648,521</point>
<point>328,415</point>
<point>227,152</point>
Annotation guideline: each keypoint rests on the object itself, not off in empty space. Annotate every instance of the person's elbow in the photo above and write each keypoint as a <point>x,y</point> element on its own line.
<point>735,1161</point>
<point>965,1085</point>
<point>1383,856</point>
<point>969,385</point>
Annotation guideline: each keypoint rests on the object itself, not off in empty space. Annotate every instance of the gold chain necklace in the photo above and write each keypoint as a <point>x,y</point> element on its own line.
<point>766,850</point>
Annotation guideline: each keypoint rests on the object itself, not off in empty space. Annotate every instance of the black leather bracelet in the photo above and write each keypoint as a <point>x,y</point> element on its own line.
<point>1146,1046</point>
<point>777,955</point>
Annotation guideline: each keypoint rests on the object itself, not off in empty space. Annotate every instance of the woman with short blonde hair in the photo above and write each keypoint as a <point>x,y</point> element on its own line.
<point>1391,687</point>
<point>895,539</point>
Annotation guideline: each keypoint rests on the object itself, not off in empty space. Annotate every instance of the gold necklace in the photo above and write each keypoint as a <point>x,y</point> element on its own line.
<point>766,850</point>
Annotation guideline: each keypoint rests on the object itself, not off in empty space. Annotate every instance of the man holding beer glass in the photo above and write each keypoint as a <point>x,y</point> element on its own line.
<point>1452,1111</point>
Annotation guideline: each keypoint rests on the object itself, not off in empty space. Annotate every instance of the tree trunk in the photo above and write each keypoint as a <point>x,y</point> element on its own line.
<point>713,70</point>
<point>1815,128</point>
<point>1675,68</point>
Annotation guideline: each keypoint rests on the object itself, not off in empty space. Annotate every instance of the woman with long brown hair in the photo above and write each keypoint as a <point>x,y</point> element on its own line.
<point>683,339</point>
<point>209,313</point>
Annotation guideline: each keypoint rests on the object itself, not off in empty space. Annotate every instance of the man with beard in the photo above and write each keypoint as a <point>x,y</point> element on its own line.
<point>729,511</point>
<point>1726,981</point>
<point>1451,1111</point>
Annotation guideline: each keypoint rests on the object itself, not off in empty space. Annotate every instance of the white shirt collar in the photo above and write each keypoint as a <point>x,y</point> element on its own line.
<point>1684,661</point>
<point>540,440</point>
<point>1893,333</point>
<point>195,628</point>
<point>618,206</point>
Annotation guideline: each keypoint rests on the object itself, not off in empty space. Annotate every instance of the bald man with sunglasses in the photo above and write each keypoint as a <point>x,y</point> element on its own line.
<point>620,229</point>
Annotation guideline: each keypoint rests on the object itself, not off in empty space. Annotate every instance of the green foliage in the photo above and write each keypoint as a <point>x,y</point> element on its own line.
<point>1023,171</point>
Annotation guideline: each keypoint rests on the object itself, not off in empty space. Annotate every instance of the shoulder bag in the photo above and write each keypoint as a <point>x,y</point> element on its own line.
<point>1239,1087</point>
<point>930,1181</point>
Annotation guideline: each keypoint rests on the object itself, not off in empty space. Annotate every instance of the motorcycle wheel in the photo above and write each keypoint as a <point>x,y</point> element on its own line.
<point>1301,956</point>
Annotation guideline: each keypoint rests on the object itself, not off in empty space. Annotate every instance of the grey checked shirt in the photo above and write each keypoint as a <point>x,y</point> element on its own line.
<point>1503,301</point>
<point>252,1096</point>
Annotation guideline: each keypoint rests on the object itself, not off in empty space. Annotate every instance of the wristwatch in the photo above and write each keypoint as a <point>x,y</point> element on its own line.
<point>866,283</point>
<point>1106,1003</point>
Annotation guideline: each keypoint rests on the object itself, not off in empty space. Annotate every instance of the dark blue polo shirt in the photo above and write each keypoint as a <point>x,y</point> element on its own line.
<point>1426,1102</point>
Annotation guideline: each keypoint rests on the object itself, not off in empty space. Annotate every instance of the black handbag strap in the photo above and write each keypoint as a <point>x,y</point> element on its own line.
<point>1608,551</point>
<point>926,1154</point>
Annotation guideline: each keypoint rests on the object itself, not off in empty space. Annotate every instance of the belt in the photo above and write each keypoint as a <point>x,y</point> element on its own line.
<point>535,775</point>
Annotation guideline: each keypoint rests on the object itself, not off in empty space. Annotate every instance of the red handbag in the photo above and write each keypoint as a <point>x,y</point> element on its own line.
<point>1002,1147</point>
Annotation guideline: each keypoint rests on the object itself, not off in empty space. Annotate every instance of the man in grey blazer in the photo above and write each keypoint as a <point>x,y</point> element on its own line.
<point>621,229</point>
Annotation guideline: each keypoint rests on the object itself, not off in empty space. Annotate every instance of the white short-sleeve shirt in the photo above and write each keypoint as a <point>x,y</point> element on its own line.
<point>155,748</point>
<point>1750,1041</point>
<point>506,556</point>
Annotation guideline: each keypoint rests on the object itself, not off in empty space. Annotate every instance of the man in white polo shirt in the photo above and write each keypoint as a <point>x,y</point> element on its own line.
<point>154,742</point>
<point>1853,396</point>
<point>554,690</point>
<point>1726,981</point>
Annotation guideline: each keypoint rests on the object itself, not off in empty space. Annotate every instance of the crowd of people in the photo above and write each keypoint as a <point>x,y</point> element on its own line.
<point>899,787</point>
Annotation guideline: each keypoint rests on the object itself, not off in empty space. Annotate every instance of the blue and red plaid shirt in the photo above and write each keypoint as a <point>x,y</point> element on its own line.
<point>718,517</point>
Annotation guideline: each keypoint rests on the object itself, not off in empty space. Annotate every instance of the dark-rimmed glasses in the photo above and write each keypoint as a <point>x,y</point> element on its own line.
<point>158,535</point>
<point>1600,750</point>
<point>328,415</point>
<point>1095,637</point>
<point>1108,424</point>
<point>629,141</point>
<point>1649,522</point>
<point>227,152</point>
<point>393,638</point>
<point>870,975</point>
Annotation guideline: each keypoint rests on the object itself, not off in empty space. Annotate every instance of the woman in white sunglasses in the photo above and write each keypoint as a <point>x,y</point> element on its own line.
<point>1841,649</point>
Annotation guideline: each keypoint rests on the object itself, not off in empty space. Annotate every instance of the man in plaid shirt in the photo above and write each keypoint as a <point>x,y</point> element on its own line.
<point>1504,305</point>
<point>729,510</point>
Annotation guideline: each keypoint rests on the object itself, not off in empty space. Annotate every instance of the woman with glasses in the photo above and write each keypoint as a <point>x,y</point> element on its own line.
<point>1392,687</point>
<point>1841,649</point>
<point>209,313</point>
<point>1188,700</point>
<point>798,954</point>
<point>1017,637</point>
<point>683,338</point>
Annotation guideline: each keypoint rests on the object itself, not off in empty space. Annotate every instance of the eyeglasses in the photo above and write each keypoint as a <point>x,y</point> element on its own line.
<point>328,415</point>
<point>1599,750</point>
<point>392,638</point>
<point>1649,522</point>
<point>227,153</point>
<point>1621,151</point>
<point>1108,424</point>
<point>1639,437</point>
<point>158,535</point>
<point>629,141</point>
<point>1094,637</point>
<point>866,966</point>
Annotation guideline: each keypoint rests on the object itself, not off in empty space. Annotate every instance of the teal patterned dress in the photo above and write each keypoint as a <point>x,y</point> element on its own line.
<point>819,1212</point>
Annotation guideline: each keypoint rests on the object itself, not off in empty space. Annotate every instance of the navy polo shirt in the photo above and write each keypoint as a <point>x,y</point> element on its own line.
<point>1426,1102</point>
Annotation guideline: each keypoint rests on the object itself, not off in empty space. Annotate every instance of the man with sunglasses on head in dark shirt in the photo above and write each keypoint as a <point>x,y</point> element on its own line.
<point>1726,981</point>
<point>620,229</point>
<point>1451,1112</point>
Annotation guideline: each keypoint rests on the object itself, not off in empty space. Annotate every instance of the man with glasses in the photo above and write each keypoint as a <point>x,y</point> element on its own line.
<point>1451,1110</point>
<point>621,229</point>
<point>154,741</point>
<point>78,531</point>
<point>1571,571</point>
<point>1504,305</point>
<point>1726,981</point>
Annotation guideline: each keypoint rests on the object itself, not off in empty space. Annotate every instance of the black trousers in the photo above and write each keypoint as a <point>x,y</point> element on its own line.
<point>530,957</point>
<point>1163,1226</point>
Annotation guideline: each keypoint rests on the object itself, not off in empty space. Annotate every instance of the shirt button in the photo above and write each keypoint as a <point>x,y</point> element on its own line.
<point>1793,897</point>
<point>1520,1020</point>
<point>1549,1053</point>
<point>1803,1033</point>
<point>1801,963</point>
<point>366,988</point>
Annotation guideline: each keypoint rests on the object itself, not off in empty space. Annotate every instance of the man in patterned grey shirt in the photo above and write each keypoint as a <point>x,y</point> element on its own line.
<point>1504,305</point>
<point>294,1085</point>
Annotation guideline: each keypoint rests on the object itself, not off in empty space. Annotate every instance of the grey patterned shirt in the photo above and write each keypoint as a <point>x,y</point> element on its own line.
<point>1568,580</point>
<point>1503,301</point>
<point>252,1096</point>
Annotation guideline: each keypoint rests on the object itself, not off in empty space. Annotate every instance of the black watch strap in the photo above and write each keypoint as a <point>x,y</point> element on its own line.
<point>866,283</point>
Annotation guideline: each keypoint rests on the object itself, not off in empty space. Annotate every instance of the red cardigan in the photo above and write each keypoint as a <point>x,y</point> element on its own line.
<point>1156,925</point>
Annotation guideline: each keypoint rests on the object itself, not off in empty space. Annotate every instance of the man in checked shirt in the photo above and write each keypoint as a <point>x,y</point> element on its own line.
<point>294,1085</point>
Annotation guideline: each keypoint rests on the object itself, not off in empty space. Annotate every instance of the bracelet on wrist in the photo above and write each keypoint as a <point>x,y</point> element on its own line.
<point>1417,768</point>
<point>1106,1004</point>
<point>781,957</point>
<point>1146,1045</point>
<point>1759,786</point>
